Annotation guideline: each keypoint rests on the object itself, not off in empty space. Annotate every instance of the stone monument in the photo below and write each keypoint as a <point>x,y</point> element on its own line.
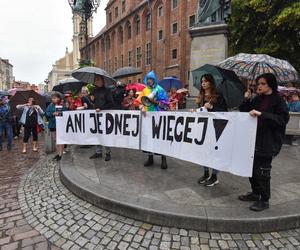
<point>209,36</point>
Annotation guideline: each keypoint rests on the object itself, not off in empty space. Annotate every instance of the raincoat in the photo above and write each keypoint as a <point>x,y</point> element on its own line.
<point>159,93</point>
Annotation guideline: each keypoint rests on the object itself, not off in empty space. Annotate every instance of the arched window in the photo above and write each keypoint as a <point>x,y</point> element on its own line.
<point>137,25</point>
<point>129,31</point>
<point>121,34</point>
<point>148,21</point>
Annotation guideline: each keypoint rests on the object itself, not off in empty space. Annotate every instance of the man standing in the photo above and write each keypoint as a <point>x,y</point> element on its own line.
<point>5,124</point>
<point>158,100</point>
<point>103,100</point>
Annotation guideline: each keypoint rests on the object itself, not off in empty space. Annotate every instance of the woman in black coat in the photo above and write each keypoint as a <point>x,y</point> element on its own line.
<point>272,114</point>
<point>210,101</point>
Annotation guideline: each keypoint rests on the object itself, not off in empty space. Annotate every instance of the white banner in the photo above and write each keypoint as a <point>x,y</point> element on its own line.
<point>107,128</point>
<point>224,141</point>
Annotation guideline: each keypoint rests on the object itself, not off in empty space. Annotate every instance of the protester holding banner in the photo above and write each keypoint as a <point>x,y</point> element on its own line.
<point>211,101</point>
<point>54,110</point>
<point>32,120</point>
<point>103,100</point>
<point>153,98</point>
<point>272,114</point>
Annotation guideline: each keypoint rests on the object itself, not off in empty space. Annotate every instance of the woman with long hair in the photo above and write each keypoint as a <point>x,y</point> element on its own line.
<point>31,119</point>
<point>211,101</point>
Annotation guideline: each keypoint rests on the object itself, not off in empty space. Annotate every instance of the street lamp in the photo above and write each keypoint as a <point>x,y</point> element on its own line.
<point>85,9</point>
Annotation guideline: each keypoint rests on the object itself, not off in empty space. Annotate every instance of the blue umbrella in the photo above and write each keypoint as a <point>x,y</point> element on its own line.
<point>170,82</point>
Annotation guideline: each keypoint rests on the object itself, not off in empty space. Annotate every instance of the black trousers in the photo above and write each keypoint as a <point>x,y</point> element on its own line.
<point>28,131</point>
<point>261,177</point>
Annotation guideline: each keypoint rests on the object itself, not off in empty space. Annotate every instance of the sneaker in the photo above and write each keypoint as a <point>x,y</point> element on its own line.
<point>9,147</point>
<point>203,179</point>
<point>55,158</point>
<point>249,197</point>
<point>212,181</point>
<point>107,157</point>
<point>96,156</point>
<point>259,206</point>
<point>58,158</point>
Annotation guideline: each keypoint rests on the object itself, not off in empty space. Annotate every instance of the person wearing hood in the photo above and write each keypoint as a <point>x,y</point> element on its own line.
<point>272,114</point>
<point>158,100</point>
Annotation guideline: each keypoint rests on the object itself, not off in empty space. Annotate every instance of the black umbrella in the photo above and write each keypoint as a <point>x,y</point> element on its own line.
<point>88,75</point>
<point>58,88</point>
<point>126,72</point>
<point>68,85</point>
<point>227,83</point>
<point>21,97</point>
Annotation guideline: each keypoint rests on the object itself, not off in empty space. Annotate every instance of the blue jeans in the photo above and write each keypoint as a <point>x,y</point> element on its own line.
<point>6,127</point>
<point>99,149</point>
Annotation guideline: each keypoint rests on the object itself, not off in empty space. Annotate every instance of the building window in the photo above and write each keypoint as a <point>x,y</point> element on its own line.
<point>148,53</point>
<point>123,6</point>
<point>129,81</point>
<point>192,20</point>
<point>174,4</point>
<point>122,61</point>
<point>129,31</point>
<point>129,59</point>
<point>116,63</point>
<point>138,26</point>
<point>109,17</point>
<point>139,80</point>
<point>138,57</point>
<point>174,54</point>
<point>160,11</point>
<point>116,12</point>
<point>121,36</point>
<point>160,35</point>
<point>174,28</point>
<point>148,21</point>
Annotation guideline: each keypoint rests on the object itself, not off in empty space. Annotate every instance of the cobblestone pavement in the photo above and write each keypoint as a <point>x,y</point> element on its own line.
<point>71,223</point>
<point>15,232</point>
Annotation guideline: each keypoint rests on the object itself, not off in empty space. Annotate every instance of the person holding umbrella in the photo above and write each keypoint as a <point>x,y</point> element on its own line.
<point>5,123</point>
<point>31,119</point>
<point>103,100</point>
<point>211,101</point>
<point>272,114</point>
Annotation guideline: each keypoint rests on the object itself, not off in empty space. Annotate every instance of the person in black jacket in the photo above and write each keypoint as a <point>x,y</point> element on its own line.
<point>103,100</point>
<point>211,101</point>
<point>272,114</point>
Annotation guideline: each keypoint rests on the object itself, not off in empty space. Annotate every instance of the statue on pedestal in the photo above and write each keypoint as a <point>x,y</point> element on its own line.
<point>213,11</point>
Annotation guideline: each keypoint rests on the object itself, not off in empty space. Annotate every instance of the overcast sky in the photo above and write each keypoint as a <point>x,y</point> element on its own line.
<point>35,33</point>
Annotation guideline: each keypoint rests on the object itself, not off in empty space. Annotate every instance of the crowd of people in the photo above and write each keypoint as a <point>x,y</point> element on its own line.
<point>262,100</point>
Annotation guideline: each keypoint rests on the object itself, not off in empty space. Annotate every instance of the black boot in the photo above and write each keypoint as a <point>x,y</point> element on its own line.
<point>249,197</point>
<point>164,164</point>
<point>149,161</point>
<point>204,178</point>
<point>259,206</point>
<point>107,157</point>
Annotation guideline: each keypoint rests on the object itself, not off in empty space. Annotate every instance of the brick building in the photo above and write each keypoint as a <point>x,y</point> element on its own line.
<point>137,34</point>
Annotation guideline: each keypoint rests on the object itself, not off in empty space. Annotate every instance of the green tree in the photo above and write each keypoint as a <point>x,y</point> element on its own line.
<point>266,26</point>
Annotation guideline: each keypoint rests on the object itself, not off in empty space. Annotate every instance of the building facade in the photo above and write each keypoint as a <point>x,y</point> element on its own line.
<point>6,74</point>
<point>63,67</point>
<point>145,34</point>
